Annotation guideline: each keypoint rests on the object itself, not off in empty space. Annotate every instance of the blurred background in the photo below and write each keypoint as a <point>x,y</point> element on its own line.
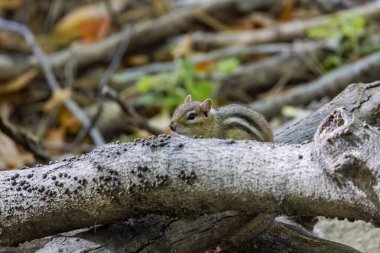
<point>77,74</point>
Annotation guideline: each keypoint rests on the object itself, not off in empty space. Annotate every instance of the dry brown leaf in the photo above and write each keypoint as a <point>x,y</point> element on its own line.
<point>10,4</point>
<point>160,6</point>
<point>139,59</point>
<point>89,23</point>
<point>184,47</point>
<point>19,82</point>
<point>56,136</point>
<point>68,121</point>
<point>10,156</point>
<point>57,99</point>
<point>12,41</point>
<point>287,11</point>
<point>204,66</point>
<point>257,20</point>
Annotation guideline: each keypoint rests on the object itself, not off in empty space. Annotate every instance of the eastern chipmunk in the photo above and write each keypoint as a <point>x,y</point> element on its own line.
<point>194,118</point>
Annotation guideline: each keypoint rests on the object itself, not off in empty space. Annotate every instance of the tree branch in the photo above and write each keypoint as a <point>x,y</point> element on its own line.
<point>361,99</point>
<point>281,32</point>
<point>117,181</point>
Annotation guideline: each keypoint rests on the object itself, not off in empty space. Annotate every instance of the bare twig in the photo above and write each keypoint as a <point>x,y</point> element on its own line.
<point>281,32</point>
<point>146,33</point>
<point>129,110</point>
<point>118,56</point>
<point>364,70</point>
<point>113,14</point>
<point>233,51</point>
<point>49,75</point>
<point>22,136</point>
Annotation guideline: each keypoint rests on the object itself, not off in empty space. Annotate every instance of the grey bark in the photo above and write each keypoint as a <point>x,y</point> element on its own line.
<point>235,231</point>
<point>153,233</point>
<point>353,98</point>
<point>187,178</point>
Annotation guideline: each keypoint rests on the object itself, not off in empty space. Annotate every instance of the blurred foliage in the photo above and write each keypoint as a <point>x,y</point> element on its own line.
<point>168,90</point>
<point>227,66</point>
<point>348,30</point>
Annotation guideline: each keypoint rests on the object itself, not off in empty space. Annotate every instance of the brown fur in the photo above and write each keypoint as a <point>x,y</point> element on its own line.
<point>233,121</point>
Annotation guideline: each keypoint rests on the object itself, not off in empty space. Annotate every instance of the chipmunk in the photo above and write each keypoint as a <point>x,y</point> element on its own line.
<point>194,118</point>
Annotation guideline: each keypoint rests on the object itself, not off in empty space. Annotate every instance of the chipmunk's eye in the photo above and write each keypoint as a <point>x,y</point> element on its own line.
<point>191,116</point>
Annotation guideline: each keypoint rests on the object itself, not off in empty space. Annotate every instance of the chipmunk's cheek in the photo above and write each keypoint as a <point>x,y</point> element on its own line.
<point>180,129</point>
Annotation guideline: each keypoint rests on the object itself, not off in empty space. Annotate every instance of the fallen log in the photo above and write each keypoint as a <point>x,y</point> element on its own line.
<point>354,98</point>
<point>118,181</point>
<point>155,233</point>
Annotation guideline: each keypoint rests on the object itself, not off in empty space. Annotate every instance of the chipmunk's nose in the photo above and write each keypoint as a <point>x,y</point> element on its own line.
<point>172,126</point>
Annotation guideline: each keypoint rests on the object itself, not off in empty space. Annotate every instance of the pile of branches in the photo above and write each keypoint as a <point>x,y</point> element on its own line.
<point>67,97</point>
<point>279,65</point>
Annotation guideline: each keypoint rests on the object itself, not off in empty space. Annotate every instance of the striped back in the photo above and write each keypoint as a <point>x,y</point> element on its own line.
<point>240,118</point>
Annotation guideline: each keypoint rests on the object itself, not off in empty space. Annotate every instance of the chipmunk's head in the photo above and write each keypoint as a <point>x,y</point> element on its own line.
<point>193,118</point>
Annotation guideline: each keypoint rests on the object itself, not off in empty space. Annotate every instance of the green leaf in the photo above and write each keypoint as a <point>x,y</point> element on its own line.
<point>228,65</point>
<point>202,90</point>
<point>332,62</point>
<point>150,99</point>
<point>144,84</point>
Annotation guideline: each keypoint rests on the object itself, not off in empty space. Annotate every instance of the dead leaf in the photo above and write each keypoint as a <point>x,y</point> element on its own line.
<point>139,59</point>
<point>10,4</point>
<point>160,6</point>
<point>55,136</point>
<point>287,11</point>
<point>68,121</point>
<point>19,82</point>
<point>57,99</point>
<point>204,66</point>
<point>88,23</point>
<point>184,47</point>
<point>10,156</point>
<point>12,41</point>
<point>257,20</point>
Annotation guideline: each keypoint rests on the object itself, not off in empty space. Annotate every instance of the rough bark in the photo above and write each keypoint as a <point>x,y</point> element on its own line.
<point>361,99</point>
<point>153,233</point>
<point>236,232</point>
<point>117,181</point>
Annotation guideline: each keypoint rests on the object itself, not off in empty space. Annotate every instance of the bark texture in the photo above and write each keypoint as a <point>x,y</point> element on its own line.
<point>361,99</point>
<point>188,178</point>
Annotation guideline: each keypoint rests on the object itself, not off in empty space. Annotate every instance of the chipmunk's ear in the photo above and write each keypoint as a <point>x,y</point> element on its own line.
<point>206,106</point>
<point>188,99</point>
